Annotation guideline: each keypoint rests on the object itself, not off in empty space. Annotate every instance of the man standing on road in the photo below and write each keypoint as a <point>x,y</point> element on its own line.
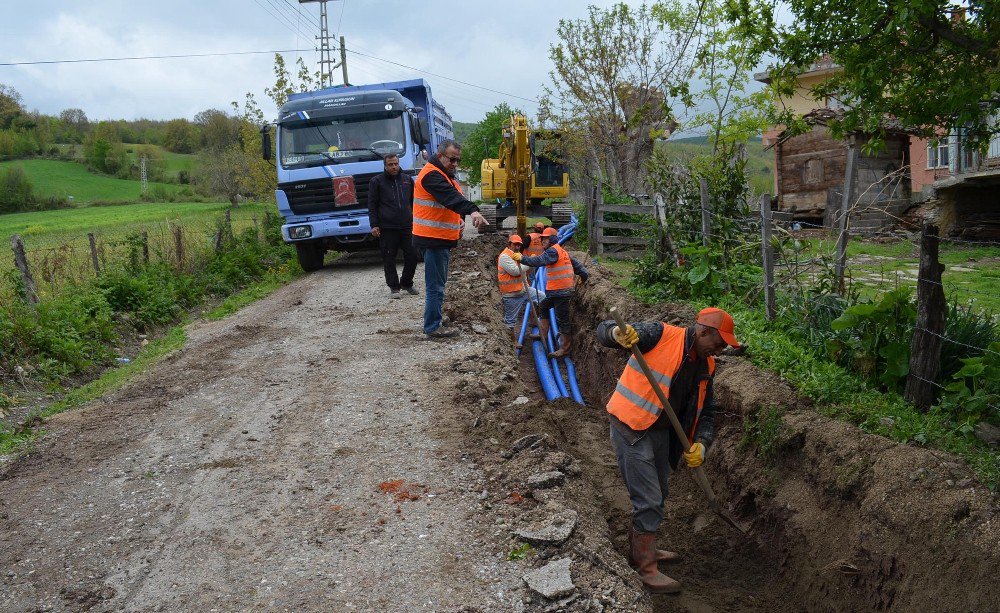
<point>560,287</point>
<point>439,210</point>
<point>390,210</point>
<point>682,360</point>
<point>510,277</point>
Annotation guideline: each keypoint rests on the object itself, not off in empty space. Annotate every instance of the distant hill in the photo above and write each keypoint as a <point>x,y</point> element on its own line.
<point>72,180</point>
<point>760,163</point>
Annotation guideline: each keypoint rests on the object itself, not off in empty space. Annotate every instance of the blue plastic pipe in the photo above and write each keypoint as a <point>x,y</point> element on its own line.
<point>544,372</point>
<point>574,386</point>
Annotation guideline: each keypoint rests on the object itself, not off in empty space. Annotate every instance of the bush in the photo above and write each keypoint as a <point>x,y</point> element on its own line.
<point>16,190</point>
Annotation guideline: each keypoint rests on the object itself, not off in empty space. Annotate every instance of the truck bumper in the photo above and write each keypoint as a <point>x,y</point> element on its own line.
<point>347,232</point>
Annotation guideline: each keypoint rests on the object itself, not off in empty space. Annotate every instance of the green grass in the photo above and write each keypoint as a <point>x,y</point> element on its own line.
<point>73,180</point>
<point>876,267</point>
<point>52,226</point>
<point>13,440</point>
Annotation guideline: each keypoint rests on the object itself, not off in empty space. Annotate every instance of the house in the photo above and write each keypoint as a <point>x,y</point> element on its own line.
<point>810,168</point>
<point>958,186</point>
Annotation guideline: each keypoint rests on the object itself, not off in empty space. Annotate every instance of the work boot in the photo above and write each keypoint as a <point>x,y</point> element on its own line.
<point>662,555</point>
<point>644,556</point>
<point>564,342</point>
<point>543,332</point>
<point>395,295</point>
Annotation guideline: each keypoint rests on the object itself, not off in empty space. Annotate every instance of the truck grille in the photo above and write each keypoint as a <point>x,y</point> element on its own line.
<point>315,196</point>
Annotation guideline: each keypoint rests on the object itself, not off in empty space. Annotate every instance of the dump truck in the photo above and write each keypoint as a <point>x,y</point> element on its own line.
<point>329,143</point>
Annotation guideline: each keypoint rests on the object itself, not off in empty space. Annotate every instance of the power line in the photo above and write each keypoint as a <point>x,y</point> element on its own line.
<point>495,91</point>
<point>151,57</point>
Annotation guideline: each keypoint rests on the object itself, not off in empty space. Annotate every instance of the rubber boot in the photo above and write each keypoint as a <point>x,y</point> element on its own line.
<point>564,342</point>
<point>644,556</point>
<point>543,332</point>
<point>662,555</point>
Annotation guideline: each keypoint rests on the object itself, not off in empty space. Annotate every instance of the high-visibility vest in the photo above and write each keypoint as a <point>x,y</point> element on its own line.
<point>634,400</point>
<point>559,275</point>
<point>509,284</point>
<point>534,245</point>
<point>430,218</point>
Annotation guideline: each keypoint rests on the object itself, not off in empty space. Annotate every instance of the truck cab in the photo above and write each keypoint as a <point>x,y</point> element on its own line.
<point>330,143</point>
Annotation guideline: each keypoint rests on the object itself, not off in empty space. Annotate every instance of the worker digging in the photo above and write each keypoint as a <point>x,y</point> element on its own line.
<point>514,291</point>
<point>680,363</point>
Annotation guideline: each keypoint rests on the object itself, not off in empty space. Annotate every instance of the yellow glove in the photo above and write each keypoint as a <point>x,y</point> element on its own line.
<point>695,456</point>
<point>516,256</point>
<point>626,339</point>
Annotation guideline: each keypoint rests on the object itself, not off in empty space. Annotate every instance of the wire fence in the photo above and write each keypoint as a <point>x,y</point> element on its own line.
<point>800,261</point>
<point>55,262</point>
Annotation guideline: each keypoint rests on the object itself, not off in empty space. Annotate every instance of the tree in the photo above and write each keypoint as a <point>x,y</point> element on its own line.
<point>484,140</point>
<point>180,136</point>
<point>11,106</point>
<point>75,124</point>
<point>615,75</point>
<point>219,131</point>
<point>929,64</point>
<point>723,64</point>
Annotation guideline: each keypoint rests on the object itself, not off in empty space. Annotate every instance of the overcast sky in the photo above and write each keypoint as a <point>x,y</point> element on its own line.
<point>502,46</point>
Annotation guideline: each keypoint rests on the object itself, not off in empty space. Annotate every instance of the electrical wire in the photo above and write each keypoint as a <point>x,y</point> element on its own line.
<point>151,57</point>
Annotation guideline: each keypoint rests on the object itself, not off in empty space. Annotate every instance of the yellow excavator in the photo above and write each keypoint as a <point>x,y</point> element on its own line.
<point>517,181</point>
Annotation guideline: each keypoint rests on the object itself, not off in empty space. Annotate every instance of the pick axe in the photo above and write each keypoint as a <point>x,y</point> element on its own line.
<point>698,472</point>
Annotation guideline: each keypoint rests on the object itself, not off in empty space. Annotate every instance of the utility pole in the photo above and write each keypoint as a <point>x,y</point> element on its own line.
<point>326,65</point>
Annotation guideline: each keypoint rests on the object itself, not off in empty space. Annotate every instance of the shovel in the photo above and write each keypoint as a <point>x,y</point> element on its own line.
<point>699,472</point>
<point>534,307</point>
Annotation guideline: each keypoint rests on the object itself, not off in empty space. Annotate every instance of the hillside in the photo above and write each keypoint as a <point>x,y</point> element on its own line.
<point>760,163</point>
<point>73,181</point>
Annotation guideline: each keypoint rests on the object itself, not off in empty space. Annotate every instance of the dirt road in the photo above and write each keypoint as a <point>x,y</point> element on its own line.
<point>258,468</point>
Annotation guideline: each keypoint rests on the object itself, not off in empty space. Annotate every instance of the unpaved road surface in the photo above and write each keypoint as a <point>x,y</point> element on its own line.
<point>259,468</point>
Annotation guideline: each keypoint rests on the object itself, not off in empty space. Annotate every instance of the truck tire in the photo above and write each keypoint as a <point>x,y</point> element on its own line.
<point>561,212</point>
<point>310,255</point>
<point>489,211</point>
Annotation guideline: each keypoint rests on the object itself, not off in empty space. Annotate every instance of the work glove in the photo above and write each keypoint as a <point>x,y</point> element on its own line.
<point>695,456</point>
<point>516,257</point>
<point>626,339</point>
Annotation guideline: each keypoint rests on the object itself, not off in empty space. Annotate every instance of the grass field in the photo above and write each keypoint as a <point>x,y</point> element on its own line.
<point>173,162</point>
<point>760,163</point>
<point>58,248</point>
<point>73,180</point>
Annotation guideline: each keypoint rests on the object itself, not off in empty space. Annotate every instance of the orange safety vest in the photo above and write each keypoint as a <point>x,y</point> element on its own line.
<point>509,284</point>
<point>534,245</point>
<point>431,219</point>
<point>559,275</point>
<point>634,400</point>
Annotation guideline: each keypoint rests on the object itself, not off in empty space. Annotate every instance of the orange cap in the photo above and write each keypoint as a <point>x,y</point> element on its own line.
<point>550,232</point>
<point>721,321</point>
<point>539,226</point>
<point>514,238</point>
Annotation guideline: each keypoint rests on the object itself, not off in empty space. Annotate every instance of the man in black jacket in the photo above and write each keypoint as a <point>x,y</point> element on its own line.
<point>390,211</point>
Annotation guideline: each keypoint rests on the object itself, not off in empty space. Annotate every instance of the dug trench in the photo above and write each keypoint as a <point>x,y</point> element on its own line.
<point>839,519</point>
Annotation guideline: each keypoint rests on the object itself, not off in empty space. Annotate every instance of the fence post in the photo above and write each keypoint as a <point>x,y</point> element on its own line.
<point>706,223</point>
<point>845,210</point>
<point>179,245</point>
<point>256,228</point>
<point>93,253</point>
<point>925,348</point>
<point>767,254</point>
<point>598,248</point>
<point>145,247</point>
<point>21,261</point>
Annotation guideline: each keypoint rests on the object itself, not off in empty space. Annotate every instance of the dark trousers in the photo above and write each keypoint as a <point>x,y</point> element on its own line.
<point>645,467</point>
<point>389,244</point>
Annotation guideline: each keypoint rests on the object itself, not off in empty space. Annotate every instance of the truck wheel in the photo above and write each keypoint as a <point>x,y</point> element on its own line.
<point>310,255</point>
<point>561,212</point>
<point>489,211</point>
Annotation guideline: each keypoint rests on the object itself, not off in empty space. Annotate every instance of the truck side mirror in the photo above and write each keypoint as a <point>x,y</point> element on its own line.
<point>265,142</point>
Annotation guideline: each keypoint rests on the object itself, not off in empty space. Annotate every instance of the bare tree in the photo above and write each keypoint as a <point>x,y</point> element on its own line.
<point>618,73</point>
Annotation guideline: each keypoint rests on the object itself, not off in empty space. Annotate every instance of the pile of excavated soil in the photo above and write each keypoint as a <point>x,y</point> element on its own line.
<point>841,519</point>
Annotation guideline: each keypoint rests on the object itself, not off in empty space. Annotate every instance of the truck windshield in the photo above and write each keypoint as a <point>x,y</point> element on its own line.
<point>316,141</point>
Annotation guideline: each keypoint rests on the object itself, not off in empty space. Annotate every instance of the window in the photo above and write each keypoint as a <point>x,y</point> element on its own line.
<point>812,171</point>
<point>937,153</point>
